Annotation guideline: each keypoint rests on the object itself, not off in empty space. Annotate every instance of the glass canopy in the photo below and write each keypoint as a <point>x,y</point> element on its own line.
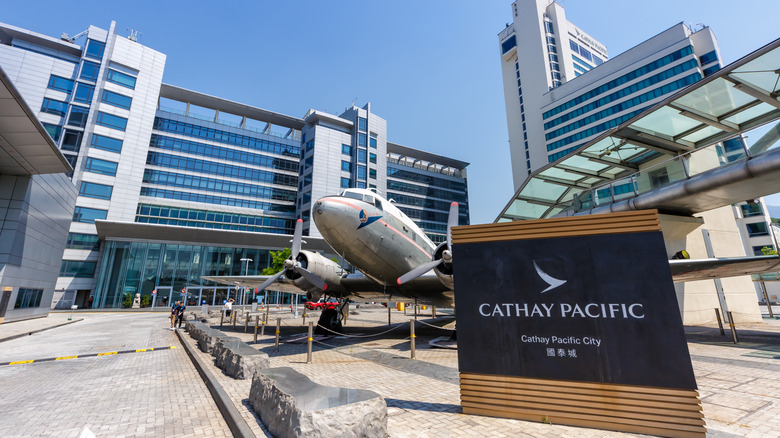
<point>665,141</point>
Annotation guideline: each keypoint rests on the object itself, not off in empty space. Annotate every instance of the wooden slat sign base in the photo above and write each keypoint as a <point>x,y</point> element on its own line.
<point>574,321</point>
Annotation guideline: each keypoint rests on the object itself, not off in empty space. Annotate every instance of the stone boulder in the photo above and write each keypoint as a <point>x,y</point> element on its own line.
<point>291,405</point>
<point>237,359</point>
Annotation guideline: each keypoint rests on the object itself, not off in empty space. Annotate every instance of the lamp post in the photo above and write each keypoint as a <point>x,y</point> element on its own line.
<point>246,272</point>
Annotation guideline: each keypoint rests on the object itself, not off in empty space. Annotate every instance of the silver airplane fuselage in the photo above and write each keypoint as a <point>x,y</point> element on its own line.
<point>372,234</point>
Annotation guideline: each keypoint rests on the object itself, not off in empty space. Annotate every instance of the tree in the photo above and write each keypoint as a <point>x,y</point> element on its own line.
<point>277,261</point>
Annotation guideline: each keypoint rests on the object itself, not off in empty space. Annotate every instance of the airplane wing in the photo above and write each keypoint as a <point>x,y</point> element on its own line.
<point>703,269</point>
<point>253,281</point>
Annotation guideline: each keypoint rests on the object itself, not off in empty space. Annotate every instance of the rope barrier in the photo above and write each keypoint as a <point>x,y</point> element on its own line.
<point>361,336</point>
<point>435,326</point>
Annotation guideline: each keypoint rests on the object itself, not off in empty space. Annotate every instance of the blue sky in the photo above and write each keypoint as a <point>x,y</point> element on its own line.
<point>430,68</point>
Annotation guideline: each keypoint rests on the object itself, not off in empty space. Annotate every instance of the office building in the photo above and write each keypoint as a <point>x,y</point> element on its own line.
<point>174,184</point>
<point>36,203</point>
<point>561,89</point>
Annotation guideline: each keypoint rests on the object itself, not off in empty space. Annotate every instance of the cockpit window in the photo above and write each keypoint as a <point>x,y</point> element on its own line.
<point>378,203</point>
<point>368,198</point>
<point>353,195</point>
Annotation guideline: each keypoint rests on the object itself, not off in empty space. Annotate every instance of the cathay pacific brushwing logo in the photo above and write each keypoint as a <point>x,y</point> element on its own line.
<point>365,219</point>
<point>551,281</point>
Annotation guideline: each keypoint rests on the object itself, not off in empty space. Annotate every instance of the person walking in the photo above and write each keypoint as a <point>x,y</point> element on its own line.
<point>228,307</point>
<point>173,313</point>
<point>180,308</point>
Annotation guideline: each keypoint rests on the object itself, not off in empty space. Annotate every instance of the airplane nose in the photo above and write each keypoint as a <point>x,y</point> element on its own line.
<point>326,214</point>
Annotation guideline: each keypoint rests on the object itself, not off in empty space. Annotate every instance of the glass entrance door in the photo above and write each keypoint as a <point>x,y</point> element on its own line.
<point>163,297</point>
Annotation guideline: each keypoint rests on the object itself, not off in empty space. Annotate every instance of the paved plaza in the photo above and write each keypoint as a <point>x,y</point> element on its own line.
<point>158,393</point>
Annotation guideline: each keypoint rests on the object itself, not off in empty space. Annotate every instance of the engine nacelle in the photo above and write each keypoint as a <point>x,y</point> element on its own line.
<point>443,270</point>
<point>328,270</point>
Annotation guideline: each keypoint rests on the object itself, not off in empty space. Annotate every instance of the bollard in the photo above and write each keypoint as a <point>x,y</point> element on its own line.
<point>311,333</point>
<point>265,322</point>
<point>257,322</point>
<point>221,317</point>
<point>411,337</point>
<point>720,323</point>
<point>235,315</point>
<point>733,329</point>
<point>278,325</point>
<point>246,323</point>
<point>388,315</point>
<point>433,311</point>
<point>304,316</point>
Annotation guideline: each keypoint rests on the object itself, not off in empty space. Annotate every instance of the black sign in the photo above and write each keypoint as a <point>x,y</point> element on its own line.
<point>594,308</point>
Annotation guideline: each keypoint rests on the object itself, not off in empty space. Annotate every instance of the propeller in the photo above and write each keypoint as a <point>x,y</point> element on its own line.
<point>294,264</point>
<point>446,256</point>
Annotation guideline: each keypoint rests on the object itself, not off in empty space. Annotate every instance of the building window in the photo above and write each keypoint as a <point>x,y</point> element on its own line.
<point>555,66</point>
<point>116,99</point>
<point>362,124</point>
<point>555,75</point>
<point>60,84</point>
<point>361,184</point>
<point>362,139</point>
<point>708,58</point>
<point>27,298</point>
<point>345,183</point>
<point>71,141</point>
<point>361,155</point>
<point>585,54</point>
<point>102,167</point>
<point>749,210</point>
<point>346,149</point>
<point>111,121</point>
<point>78,116</point>
<point>88,215</point>
<point>361,172</point>
<point>548,27</point>
<point>550,40</point>
<point>553,57</point>
<point>346,166</point>
<point>552,49</point>
<point>122,79</point>
<point>94,190</point>
<point>597,60</point>
<point>54,131</point>
<point>759,250</point>
<point>106,143</point>
<point>372,158</point>
<point>89,71</point>
<point>710,70</point>
<point>372,173</point>
<point>757,229</point>
<point>372,142</point>
<point>55,107</point>
<point>95,49</point>
<point>77,269</point>
<point>508,44</point>
<point>83,241</point>
<point>84,93</point>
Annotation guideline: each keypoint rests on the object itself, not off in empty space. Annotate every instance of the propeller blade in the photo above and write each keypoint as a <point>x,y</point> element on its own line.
<point>270,280</point>
<point>311,278</point>
<point>296,243</point>
<point>452,221</point>
<point>418,271</point>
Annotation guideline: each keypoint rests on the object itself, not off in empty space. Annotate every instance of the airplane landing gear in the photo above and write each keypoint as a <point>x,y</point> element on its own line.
<point>331,319</point>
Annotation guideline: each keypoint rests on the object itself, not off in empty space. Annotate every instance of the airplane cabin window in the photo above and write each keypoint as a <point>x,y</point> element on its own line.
<point>378,203</point>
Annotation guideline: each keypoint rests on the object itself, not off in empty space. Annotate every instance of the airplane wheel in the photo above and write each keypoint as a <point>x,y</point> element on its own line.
<point>330,320</point>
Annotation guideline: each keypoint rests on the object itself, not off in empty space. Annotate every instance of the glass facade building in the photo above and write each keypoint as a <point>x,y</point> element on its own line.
<point>174,184</point>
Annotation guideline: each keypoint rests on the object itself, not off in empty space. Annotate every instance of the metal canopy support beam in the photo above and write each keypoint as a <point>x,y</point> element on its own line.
<point>537,201</point>
<point>709,120</point>
<point>642,144</point>
<point>680,146</point>
<point>599,160</point>
<point>758,94</point>
<point>561,182</point>
<point>582,172</point>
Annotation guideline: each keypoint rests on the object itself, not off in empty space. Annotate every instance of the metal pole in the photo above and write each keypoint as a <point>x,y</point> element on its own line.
<point>733,329</point>
<point>304,316</point>
<point>257,322</point>
<point>724,307</point>
<point>235,315</point>
<point>221,317</point>
<point>434,312</point>
<point>310,338</point>
<point>246,323</point>
<point>415,309</point>
<point>265,322</point>
<point>766,300</point>
<point>411,337</point>
<point>720,322</point>
<point>388,314</point>
<point>278,326</point>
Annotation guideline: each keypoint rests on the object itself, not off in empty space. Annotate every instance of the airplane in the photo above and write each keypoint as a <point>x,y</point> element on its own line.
<point>398,262</point>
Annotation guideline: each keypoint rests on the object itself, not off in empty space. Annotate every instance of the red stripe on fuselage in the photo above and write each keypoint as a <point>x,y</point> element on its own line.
<point>382,221</point>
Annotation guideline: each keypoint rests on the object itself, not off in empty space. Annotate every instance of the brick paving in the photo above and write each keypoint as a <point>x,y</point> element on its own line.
<point>156,393</point>
<point>739,385</point>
